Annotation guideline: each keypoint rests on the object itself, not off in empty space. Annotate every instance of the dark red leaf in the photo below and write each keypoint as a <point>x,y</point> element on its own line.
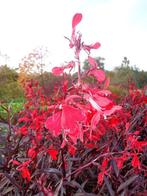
<point>126,183</point>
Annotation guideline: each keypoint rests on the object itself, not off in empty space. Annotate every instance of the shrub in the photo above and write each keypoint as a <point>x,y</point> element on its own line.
<point>79,142</point>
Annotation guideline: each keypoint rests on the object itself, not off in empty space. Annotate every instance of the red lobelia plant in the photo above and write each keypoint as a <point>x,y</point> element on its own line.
<point>79,141</point>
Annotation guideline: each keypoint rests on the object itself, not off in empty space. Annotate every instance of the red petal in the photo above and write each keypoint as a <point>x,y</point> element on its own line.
<point>95,119</point>
<point>99,74</point>
<point>15,162</point>
<point>76,20</point>
<point>70,65</point>
<point>25,173</point>
<point>96,45</point>
<point>31,153</point>
<point>135,161</point>
<point>53,153</point>
<point>107,82</point>
<point>70,117</point>
<point>53,123</point>
<point>113,109</point>
<point>102,101</point>
<point>57,70</point>
<point>104,92</point>
<point>92,61</point>
<point>100,178</point>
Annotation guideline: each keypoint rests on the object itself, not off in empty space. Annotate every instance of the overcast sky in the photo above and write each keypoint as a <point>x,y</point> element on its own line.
<point>119,25</point>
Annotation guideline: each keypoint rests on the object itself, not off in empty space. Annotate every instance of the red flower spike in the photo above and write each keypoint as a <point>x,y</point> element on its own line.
<point>76,20</point>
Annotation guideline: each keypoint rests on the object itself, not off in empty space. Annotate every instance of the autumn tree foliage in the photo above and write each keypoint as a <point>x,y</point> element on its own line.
<point>32,64</point>
<point>79,141</point>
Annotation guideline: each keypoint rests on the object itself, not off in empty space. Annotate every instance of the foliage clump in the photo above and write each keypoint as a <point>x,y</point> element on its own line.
<point>79,142</point>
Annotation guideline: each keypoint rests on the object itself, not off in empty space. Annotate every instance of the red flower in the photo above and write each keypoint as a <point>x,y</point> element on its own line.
<point>76,19</point>
<point>100,178</point>
<point>68,120</point>
<point>53,153</point>
<point>99,74</point>
<point>92,46</point>
<point>135,162</point>
<point>57,70</point>
<point>25,173</point>
<point>24,170</point>
<point>32,153</point>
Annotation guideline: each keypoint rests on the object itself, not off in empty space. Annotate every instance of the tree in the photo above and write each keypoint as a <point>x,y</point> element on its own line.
<point>9,87</point>
<point>32,64</point>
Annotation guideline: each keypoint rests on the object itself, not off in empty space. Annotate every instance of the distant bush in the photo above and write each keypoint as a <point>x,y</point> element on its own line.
<point>9,86</point>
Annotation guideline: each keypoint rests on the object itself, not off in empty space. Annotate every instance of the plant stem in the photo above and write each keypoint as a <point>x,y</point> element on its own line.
<point>79,72</point>
<point>91,162</point>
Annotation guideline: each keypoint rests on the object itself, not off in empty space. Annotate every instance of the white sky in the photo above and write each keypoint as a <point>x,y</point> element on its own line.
<point>119,25</point>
